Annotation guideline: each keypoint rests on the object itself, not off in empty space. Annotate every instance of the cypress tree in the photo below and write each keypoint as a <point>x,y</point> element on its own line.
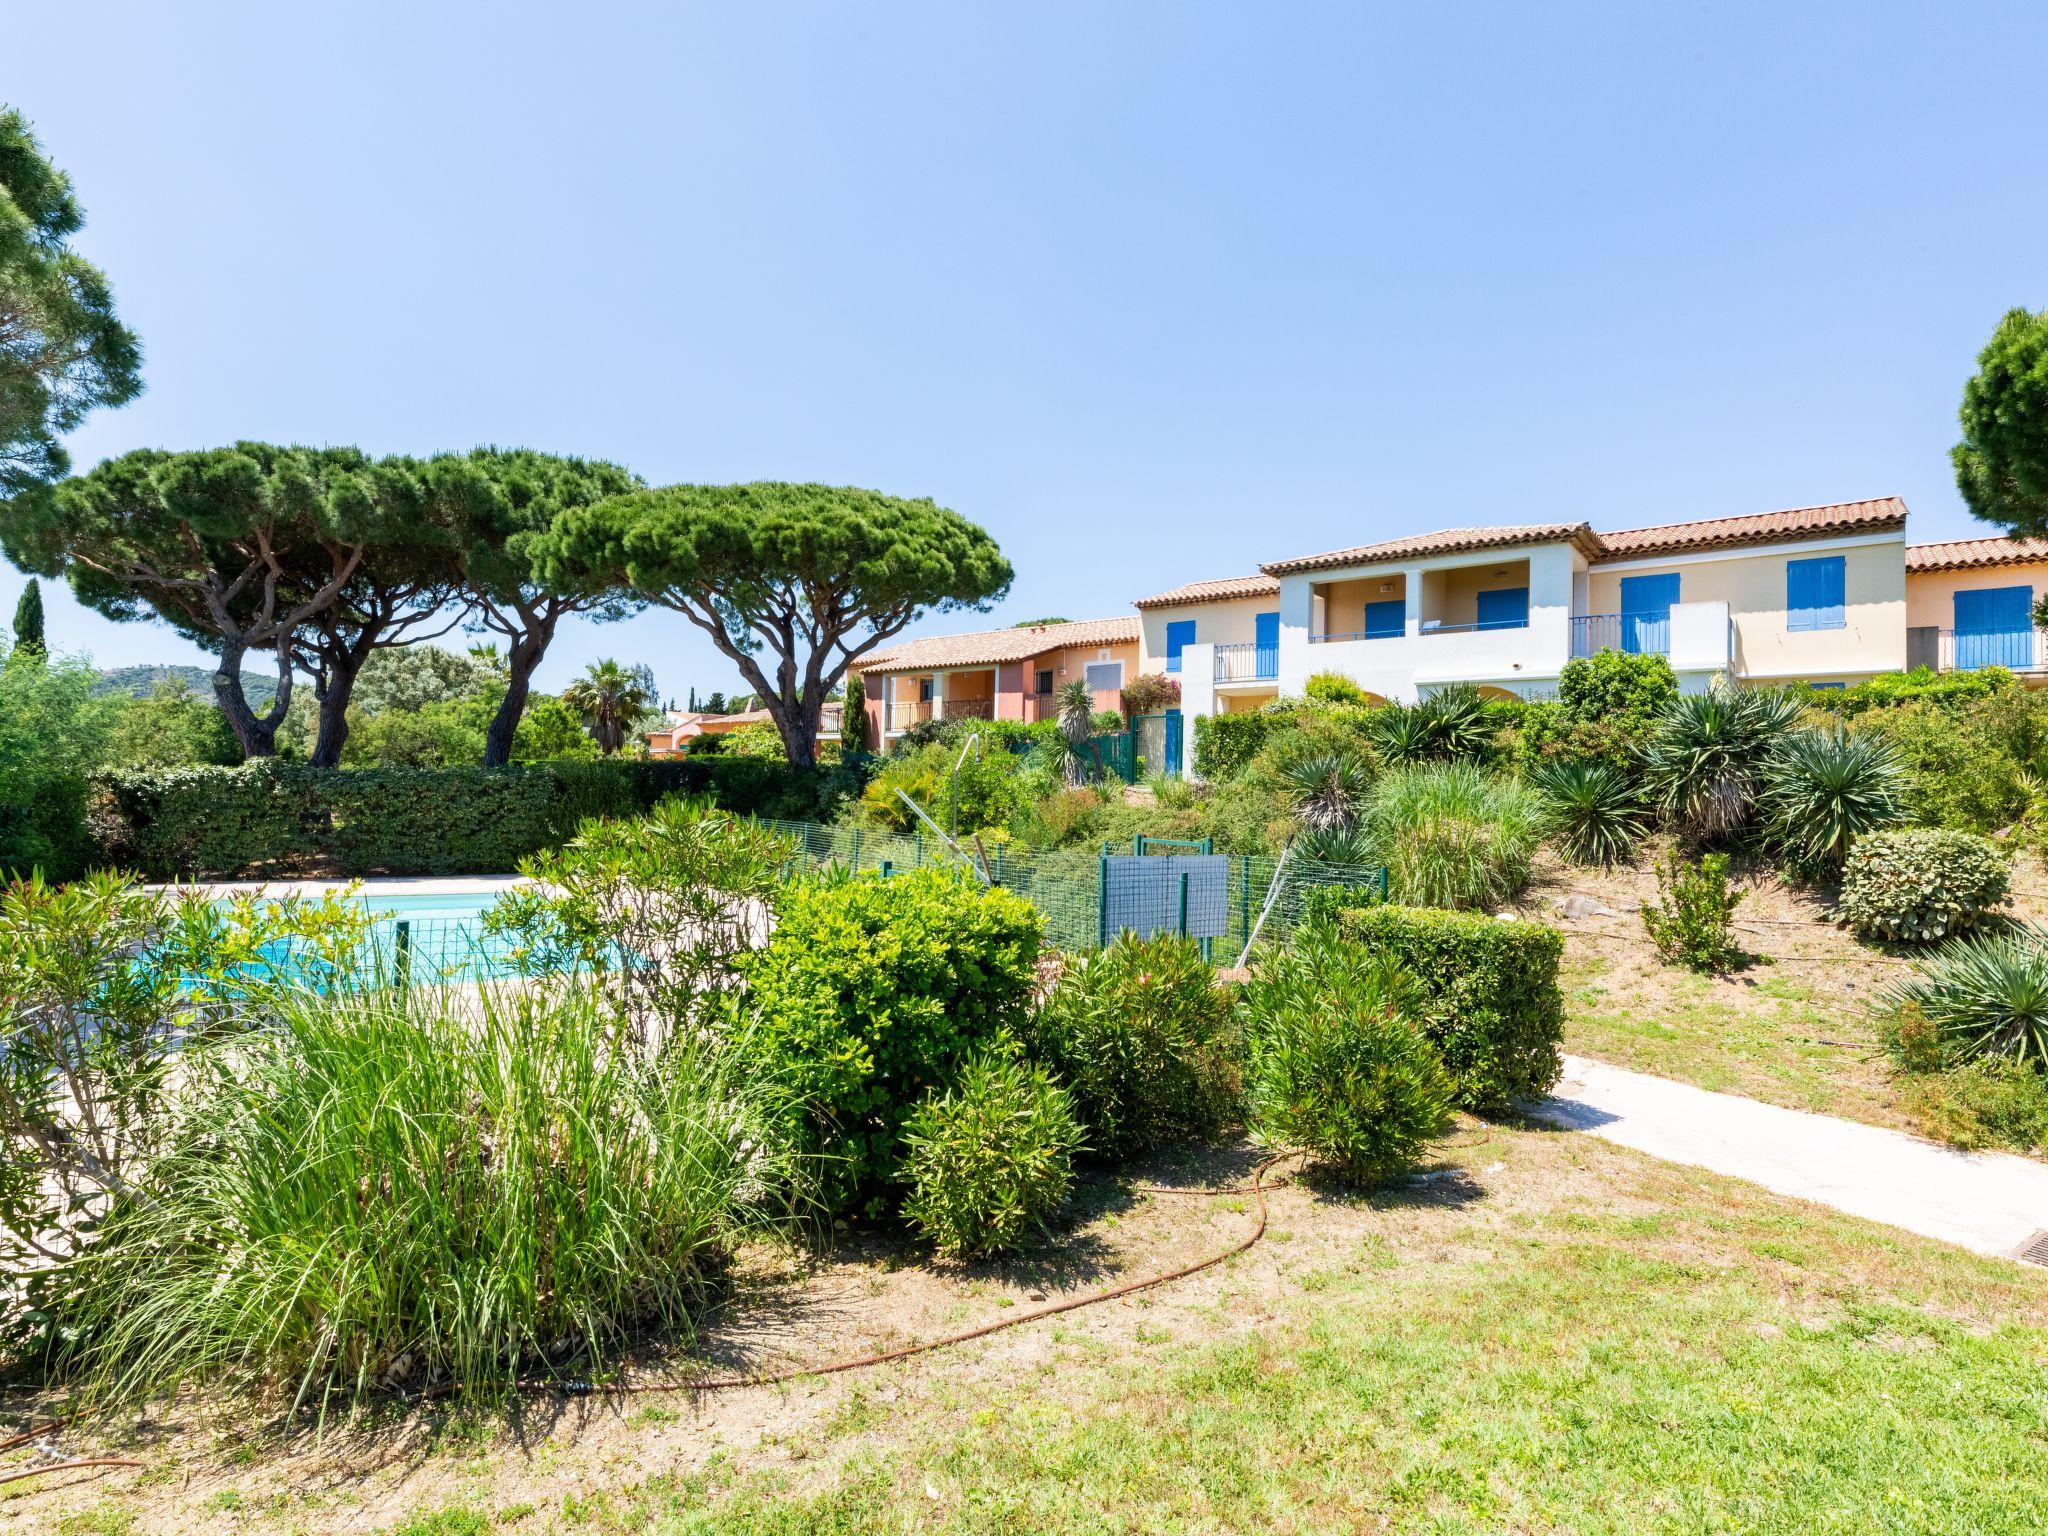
<point>28,620</point>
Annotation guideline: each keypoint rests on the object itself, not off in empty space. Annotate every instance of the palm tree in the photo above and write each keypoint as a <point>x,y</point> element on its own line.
<point>1077,723</point>
<point>610,698</point>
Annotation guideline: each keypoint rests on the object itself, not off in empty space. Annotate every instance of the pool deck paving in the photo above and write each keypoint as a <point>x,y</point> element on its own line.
<point>1988,1201</point>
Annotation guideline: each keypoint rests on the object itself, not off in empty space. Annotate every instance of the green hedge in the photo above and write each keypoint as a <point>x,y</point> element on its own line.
<point>1491,1003</point>
<point>272,817</point>
<point>1226,744</point>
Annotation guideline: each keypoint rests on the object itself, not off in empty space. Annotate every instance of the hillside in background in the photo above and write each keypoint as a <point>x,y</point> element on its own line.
<point>141,682</point>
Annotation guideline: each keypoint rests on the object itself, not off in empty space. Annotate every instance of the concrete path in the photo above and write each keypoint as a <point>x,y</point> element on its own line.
<point>1988,1201</point>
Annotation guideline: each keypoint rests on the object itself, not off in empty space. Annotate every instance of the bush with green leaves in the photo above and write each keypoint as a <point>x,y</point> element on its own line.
<point>1688,922</point>
<point>1922,684</point>
<point>1705,760</point>
<point>52,734</point>
<point>1452,834</point>
<point>958,786</point>
<point>1486,994</point>
<point>873,991</point>
<point>398,1187</point>
<point>990,1158</point>
<point>1824,790</point>
<point>1593,811</point>
<point>1451,725</point>
<point>1985,995</point>
<point>1334,688</point>
<point>272,817</point>
<point>1624,688</point>
<point>1337,1066</point>
<point>1146,1042</point>
<point>1226,744</point>
<point>1916,885</point>
<point>1974,764</point>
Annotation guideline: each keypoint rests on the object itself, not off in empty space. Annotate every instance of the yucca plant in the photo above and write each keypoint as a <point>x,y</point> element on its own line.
<point>1329,790</point>
<point>1593,811</point>
<point>1987,995</point>
<point>1705,758</point>
<point>1077,723</point>
<point>1826,788</point>
<point>1449,724</point>
<point>1405,733</point>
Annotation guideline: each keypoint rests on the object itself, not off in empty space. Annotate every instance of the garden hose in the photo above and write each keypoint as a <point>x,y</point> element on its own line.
<point>1256,1188</point>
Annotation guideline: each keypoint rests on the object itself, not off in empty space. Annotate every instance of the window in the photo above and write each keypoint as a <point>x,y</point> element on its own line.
<point>1105,677</point>
<point>1827,685</point>
<point>1386,621</point>
<point>1504,608</point>
<point>924,690</point>
<point>1042,684</point>
<point>1180,633</point>
<point>1815,593</point>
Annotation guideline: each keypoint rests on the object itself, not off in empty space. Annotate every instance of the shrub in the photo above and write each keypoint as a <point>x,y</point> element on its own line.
<point>1486,995</point>
<point>1592,810</point>
<point>870,993</point>
<point>1922,683</point>
<point>1972,764</point>
<point>1705,757</point>
<point>1824,790</point>
<point>1688,922</point>
<point>398,1186</point>
<point>654,911</point>
<point>1144,1039</point>
<point>1226,744</point>
<point>1989,1103</point>
<point>1150,693</point>
<point>271,816</point>
<point>1336,1066</point>
<point>1334,688</point>
<point>1986,996</point>
<point>1919,884</point>
<point>981,789</point>
<point>1624,689</point>
<point>1452,835</point>
<point>990,1158</point>
<point>51,735</point>
<point>1329,790</point>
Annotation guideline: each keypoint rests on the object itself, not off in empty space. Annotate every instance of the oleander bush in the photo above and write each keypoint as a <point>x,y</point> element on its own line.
<point>1486,993</point>
<point>1337,1066</point>
<point>871,993</point>
<point>1452,834</point>
<point>403,1187</point>
<point>1917,885</point>
<point>989,1159</point>
<point>272,817</point>
<point>1145,1041</point>
<point>1688,922</point>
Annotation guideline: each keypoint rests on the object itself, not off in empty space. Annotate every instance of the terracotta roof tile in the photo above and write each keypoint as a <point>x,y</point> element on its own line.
<point>1885,512</point>
<point>1963,554</point>
<point>1213,591</point>
<point>990,647</point>
<point>1446,541</point>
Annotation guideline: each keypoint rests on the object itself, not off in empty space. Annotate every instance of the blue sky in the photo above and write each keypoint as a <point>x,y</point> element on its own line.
<point>1152,291</point>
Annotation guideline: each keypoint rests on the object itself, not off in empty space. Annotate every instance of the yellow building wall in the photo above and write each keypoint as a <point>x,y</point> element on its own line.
<point>1873,638</point>
<point>1931,595</point>
<point>1228,623</point>
<point>1344,601</point>
<point>1452,596</point>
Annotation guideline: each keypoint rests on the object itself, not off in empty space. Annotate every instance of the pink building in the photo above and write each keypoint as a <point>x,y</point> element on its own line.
<point>997,674</point>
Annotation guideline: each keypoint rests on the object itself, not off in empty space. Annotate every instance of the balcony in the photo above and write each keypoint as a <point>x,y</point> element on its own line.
<point>2017,650</point>
<point>1247,663</point>
<point>1645,634</point>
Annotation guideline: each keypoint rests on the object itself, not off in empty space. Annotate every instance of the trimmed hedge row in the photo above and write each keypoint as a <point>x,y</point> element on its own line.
<point>271,817</point>
<point>1489,996</point>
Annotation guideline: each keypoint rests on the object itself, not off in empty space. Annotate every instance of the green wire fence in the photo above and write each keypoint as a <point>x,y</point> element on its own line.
<point>1071,886</point>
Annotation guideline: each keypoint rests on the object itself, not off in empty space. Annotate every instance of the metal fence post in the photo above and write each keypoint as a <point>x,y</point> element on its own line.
<point>403,958</point>
<point>1244,899</point>
<point>1183,917</point>
<point>1102,901</point>
<point>856,850</point>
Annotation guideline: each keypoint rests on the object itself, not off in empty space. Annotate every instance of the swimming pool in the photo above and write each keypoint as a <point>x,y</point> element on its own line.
<point>424,936</point>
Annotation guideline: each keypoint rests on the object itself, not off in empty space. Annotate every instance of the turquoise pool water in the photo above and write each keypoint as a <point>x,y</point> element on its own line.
<point>429,936</point>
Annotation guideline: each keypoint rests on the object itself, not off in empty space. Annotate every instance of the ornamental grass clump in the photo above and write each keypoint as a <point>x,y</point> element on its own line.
<point>1921,884</point>
<point>397,1189</point>
<point>1146,1042</point>
<point>1452,835</point>
<point>990,1159</point>
<point>1337,1066</point>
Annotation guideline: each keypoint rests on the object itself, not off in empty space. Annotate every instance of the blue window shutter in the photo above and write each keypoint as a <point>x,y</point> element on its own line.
<point>1816,593</point>
<point>1265,645</point>
<point>1507,608</point>
<point>1180,633</point>
<point>1384,621</point>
